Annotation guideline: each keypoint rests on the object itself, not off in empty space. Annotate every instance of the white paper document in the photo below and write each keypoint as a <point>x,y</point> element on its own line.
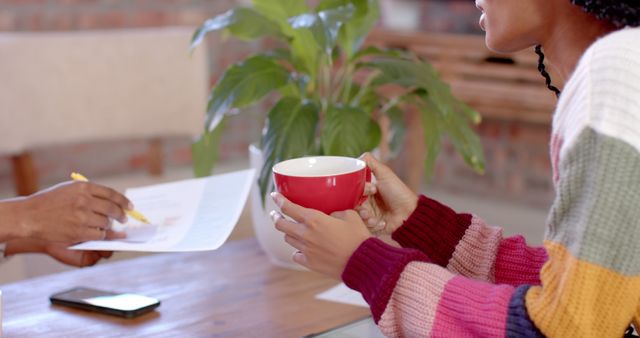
<point>342,294</point>
<point>190,215</point>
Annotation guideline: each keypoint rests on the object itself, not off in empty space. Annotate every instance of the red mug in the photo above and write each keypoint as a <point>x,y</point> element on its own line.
<point>325,183</point>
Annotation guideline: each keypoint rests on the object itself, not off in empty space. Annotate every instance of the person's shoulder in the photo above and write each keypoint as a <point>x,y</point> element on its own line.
<point>618,51</point>
<point>608,69</point>
<point>625,39</point>
<point>612,68</point>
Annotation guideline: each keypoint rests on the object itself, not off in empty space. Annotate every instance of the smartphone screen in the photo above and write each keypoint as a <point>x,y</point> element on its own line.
<point>120,304</point>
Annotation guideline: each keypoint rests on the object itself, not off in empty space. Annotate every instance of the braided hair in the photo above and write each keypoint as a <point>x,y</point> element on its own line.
<point>620,13</point>
<point>542,69</point>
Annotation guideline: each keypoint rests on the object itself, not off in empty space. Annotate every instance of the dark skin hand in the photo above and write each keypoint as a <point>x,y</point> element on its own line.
<point>58,251</point>
<point>53,219</point>
<point>69,212</point>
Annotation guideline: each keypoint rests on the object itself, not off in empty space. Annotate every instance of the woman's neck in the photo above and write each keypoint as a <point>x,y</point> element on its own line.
<point>569,38</point>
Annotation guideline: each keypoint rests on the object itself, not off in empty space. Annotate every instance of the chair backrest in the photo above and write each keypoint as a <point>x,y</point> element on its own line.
<point>69,87</point>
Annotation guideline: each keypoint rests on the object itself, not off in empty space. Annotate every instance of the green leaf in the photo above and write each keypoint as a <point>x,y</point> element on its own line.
<point>324,25</point>
<point>375,51</point>
<point>432,139</point>
<point>313,24</point>
<point>435,97</point>
<point>305,51</point>
<point>352,35</point>
<point>402,72</point>
<point>349,131</point>
<point>205,151</point>
<point>315,34</point>
<point>334,20</point>
<point>421,75</point>
<point>456,116</point>
<point>281,10</point>
<point>465,140</point>
<point>363,97</point>
<point>244,23</point>
<point>244,84</point>
<point>441,95</point>
<point>397,129</point>
<point>289,133</point>
<point>456,127</point>
<point>280,54</point>
<point>297,86</point>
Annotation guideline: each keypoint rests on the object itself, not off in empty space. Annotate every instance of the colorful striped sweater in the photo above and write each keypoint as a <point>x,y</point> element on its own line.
<point>456,276</point>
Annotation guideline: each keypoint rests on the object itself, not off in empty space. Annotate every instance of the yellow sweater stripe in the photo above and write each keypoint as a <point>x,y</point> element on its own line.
<point>581,299</point>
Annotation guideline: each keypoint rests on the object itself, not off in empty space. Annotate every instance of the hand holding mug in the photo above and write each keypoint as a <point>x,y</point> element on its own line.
<point>324,242</point>
<point>390,203</point>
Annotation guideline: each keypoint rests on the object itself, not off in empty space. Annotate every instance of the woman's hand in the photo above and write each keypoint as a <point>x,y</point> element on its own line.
<point>391,202</point>
<point>69,212</point>
<point>324,242</point>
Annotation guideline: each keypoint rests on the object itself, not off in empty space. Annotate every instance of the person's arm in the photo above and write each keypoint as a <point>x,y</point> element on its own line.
<point>10,214</point>
<point>590,285</point>
<point>466,245</point>
<point>461,242</point>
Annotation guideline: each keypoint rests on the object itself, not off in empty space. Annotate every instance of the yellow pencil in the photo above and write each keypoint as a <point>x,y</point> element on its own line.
<point>135,214</point>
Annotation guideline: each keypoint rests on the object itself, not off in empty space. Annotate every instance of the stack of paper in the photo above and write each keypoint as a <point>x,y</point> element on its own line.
<point>191,215</point>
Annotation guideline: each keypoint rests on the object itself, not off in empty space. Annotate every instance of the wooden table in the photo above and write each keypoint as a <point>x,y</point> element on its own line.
<point>231,292</point>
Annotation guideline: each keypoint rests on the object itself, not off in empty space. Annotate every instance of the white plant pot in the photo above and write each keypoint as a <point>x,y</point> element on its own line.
<point>270,239</point>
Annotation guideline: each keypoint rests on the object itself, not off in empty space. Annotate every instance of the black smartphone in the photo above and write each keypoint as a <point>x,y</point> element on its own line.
<point>125,305</point>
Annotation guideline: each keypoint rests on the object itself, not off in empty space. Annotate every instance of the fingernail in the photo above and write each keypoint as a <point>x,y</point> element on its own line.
<point>130,206</point>
<point>275,216</point>
<point>277,198</point>
<point>298,257</point>
<point>381,225</point>
<point>123,220</point>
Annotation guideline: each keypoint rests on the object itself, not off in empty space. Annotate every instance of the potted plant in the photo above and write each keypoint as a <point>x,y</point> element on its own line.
<point>331,92</point>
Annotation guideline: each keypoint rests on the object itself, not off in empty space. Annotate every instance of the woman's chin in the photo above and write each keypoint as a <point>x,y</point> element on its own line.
<point>499,44</point>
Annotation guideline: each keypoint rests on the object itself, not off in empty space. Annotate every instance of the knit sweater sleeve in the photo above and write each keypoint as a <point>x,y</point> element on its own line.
<point>590,285</point>
<point>466,245</point>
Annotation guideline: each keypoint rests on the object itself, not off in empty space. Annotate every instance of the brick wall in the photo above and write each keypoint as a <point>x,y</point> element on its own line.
<point>54,163</point>
<point>517,157</point>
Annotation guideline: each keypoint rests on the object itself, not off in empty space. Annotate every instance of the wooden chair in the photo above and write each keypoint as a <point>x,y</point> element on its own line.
<point>73,87</point>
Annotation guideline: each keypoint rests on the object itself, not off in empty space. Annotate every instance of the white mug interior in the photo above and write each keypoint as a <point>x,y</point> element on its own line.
<point>319,166</point>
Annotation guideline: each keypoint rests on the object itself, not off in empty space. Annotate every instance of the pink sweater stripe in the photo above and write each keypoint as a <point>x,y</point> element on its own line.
<point>470,308</point>
<point>468,246</point>
<point>412,308</point>
<point>475,254</point>
<point>517,263</point>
